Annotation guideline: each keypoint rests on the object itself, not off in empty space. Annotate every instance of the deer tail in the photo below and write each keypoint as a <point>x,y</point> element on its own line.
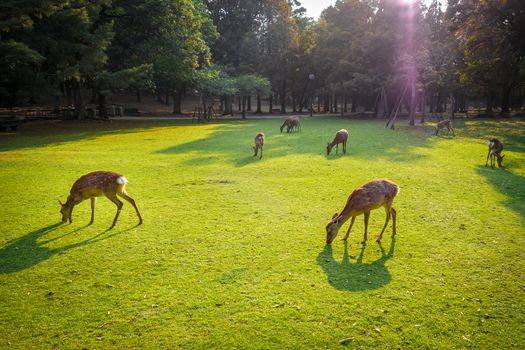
<point>121,180</point>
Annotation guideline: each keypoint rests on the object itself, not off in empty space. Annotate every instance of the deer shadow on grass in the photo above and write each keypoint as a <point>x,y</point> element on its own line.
<point>357,276</point>
<point>27,251</point>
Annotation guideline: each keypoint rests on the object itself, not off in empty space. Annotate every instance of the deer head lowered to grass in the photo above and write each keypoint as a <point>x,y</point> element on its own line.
<point>372,195</point>
<point>292,124</point>
<point>495,149</point>
<point>340,137</point>
<point>97,184</point>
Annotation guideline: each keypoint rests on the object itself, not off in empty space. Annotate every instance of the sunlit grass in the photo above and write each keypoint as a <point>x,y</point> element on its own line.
<point>231,253</point>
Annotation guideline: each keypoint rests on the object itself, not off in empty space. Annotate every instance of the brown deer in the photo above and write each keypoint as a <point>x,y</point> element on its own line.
<point>375,194</point>
<point>445,124</point>
<point>340,137</point>
<point>292,124</point>
<point>97,184</point>
<point>259,143</point>
<point>495,148</point>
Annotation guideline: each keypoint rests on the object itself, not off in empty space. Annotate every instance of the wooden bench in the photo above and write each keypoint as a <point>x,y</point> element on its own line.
<point>9,122</point>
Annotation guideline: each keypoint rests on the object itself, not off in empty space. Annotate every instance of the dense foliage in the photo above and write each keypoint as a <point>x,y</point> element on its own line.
<point>355,53</point>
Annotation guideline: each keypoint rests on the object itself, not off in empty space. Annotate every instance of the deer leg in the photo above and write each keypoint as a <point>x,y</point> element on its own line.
<point>386,223</point>
<point>336,148</point>
<point>93,201</point>
<point>367,216</point>
<point>255,150</point>
<point>349,228</point>
<point>344,147</point>
<point>119,204</point>
<point>261,153</point>
<point>488,155</point>
<point>394,213</point>
<point>124,195</point>
<point>453,133</point>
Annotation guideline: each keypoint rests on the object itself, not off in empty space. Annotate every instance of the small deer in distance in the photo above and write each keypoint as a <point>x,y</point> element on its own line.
<point>445,124</point>
<point>97,184</point>
<point>259,144</point>
<point>495,149</point>
<point>340,137</point>
<point>372,195</point>
<point>292,124</point>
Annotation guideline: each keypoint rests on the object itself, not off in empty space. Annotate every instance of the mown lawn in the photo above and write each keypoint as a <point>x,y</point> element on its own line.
<point>232,250</point>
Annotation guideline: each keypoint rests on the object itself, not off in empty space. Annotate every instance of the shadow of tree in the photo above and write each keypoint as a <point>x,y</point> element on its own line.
<point>217,146</point>
<point>509,132</point>
<point>356,277</point>
<point>25,252</point>
<point>41,134</point>
<point>509,184</point>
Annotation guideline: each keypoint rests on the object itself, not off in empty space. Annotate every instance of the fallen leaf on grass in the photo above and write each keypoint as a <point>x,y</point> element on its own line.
<point>345,341</point>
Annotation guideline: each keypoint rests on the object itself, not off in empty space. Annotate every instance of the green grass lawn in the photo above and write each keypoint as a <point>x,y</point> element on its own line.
<point>232,250</point>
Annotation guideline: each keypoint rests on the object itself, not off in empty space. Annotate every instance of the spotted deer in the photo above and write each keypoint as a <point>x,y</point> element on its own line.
<point>259,143</point>
<point>97,184</point>
<point>340,137</point>
<point>372,195</point>
<point>495,149</point>
<point>445,124</point>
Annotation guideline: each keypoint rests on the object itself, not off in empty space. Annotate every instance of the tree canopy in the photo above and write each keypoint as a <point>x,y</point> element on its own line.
<point>356,51</point>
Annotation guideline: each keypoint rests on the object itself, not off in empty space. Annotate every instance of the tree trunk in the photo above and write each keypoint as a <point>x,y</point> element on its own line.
<point>490,103</point>
<point>294,107</point>
<point>177,103</point>
<point>249,101</point>
<point>412,111</point>
<point>79,103</point>
<point>69,94</point>
<point>354,104</point>
<point>283,97</point>
<point>258,105</point>
<point>244,107</point>
<point>228,105</point>
<point>167,101</point>
<point>345,108</point>
<point>270,104</point>
<point>423,105</point>
<point>137,92</point>
<point>102,106</point>
<point>505,100</point>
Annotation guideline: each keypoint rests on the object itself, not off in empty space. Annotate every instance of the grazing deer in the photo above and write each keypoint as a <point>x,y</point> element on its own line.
<point>375,194</point>
<point>445,124</point>
<point>495,148</point>
<point>97,184</point>
<point>259,143</point>
<point>340,137</point>
<point>292,124</point>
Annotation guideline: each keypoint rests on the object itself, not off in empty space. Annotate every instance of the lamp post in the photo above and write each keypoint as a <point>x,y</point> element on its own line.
<point>311,77</point>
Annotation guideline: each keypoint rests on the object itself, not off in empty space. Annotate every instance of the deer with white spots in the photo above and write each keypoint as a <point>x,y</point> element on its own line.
<point>370,196</point>
<point>97,184</point>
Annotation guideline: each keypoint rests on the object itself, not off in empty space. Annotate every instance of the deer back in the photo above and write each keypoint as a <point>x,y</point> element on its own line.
<point>96,184</point>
